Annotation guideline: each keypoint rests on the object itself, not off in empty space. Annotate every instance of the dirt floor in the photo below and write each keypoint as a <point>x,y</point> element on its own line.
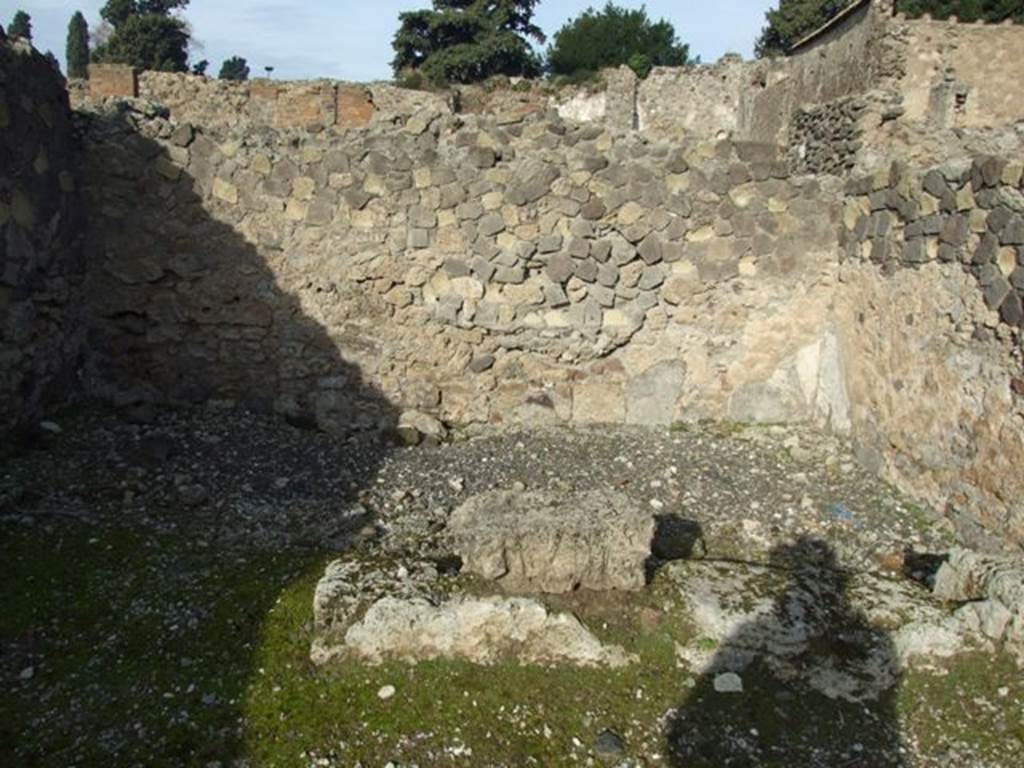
<point>156,582</point>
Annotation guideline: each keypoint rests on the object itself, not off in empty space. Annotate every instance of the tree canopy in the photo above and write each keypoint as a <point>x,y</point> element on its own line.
<point>20,26</point>
<point>791,21</point>
<point>77,50</point>
<point>467,41</point>
<point>145,35</point>
<point>612,37</point>
<point>235,68</point>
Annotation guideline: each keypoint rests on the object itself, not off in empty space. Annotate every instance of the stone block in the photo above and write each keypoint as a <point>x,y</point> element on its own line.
<point>418,238</point>
<point>544,541</point>
<point>597,400</point>
<point>225,191</point>
<point>491,224</point>
<point>651,397</point>
<point>308,106</point>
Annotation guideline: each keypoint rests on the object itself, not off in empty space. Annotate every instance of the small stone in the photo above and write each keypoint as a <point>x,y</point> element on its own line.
<point>27,673</point>
<point>50,426</point>
<point>482,157</point>
<point>728,682</point>
<point>609,747</point>
<point>593,210</point>
<point>481,363</point>
<point>491,224</point>
<point>386,692</point>
<point>559,268</point>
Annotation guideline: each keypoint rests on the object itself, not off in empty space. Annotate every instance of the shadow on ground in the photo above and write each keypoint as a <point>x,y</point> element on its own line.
<point>811,683</point>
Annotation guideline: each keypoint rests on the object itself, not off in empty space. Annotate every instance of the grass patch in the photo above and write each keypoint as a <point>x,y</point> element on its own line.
<point>146,649</point>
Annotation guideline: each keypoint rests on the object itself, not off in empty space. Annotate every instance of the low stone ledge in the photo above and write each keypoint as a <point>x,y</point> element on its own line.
<point>372,611</point>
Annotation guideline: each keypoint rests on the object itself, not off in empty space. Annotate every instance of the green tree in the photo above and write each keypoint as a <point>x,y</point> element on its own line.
<point>612,37</point>
<point>791,21</point>
<point>77,51</point>
<point>200,67</point>
<point>116,12</point>
<point>145,35</point>
<point>20,26</point>
<point>234,68</point>
<point>966,10</point>
<point>467,41</point>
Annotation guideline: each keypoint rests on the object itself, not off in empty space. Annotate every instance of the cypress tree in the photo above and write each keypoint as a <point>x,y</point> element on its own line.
<point>20,26</point>
<point>77,52</point>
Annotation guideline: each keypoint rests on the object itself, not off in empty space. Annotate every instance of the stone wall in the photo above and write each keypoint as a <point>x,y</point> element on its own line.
<point>916,76</point>
<point>961,75</point>
<point>40,222</point>
<point>845,60</point>
<point>931,311</point>
<point>961,212</point>
<point>502,269</point>
<point>112,81</point>
<point>827,138</point>
<point>694,102</point>
<point>281,104</point>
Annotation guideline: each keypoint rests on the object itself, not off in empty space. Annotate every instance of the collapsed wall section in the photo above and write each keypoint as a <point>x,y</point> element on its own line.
<point>40,226</point>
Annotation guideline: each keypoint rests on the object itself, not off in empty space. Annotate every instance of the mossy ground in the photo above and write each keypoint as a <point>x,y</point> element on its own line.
<point>148,651</point>
<point>136,630</point>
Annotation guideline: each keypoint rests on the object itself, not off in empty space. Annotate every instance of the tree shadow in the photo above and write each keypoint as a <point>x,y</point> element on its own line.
<point>184,310</point>
<point>809,683</point>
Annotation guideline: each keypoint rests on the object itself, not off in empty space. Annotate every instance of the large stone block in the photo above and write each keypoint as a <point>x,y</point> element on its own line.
<point>651,397</point>
<point>545,541</point>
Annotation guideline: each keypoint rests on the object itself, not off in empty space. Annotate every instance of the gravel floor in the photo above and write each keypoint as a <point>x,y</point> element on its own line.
<point>201,491</point>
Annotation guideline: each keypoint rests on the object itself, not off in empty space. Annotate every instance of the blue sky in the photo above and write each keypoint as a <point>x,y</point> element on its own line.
<point>351,39</point>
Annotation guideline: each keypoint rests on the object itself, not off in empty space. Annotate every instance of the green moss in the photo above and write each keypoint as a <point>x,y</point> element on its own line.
<point>150,650</point>
<point>971,703</point>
